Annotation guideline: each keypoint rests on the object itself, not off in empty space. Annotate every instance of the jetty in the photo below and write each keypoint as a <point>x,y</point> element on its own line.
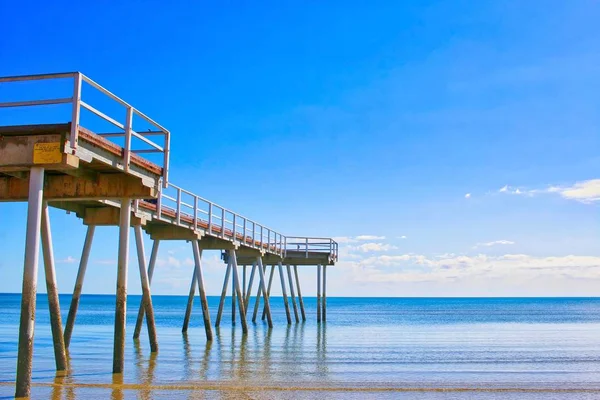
<point>121,178</point>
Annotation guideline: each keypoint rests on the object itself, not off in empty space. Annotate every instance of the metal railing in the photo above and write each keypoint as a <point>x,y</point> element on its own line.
<point>309,245</point>
<point>185,208</point>
<point>77,104</point>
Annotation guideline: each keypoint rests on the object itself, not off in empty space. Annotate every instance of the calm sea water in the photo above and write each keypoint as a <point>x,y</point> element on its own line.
<point>369,348</point>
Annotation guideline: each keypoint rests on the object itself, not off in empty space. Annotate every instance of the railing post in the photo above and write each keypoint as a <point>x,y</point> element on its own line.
<point>306,247</point>
<point>128,127</point>
<point>178,215</point>
<point>234,222</point>
<point>195,213</point>
<point>253,234</point>
<point>210,218</point>
<point>166,151</point>
<point>244,234</point>
<point>222,222</point>
<point>269,238</point>
<point>285,246</point>
<point>280,242</point>
<point>159,202</point>
<point>74,134</point>
<point>261,237</point>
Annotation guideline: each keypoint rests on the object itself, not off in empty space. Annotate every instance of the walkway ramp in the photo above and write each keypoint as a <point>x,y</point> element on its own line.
<point>121,178</point>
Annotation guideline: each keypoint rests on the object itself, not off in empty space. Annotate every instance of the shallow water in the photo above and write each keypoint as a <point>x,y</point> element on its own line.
<point>369,348</point>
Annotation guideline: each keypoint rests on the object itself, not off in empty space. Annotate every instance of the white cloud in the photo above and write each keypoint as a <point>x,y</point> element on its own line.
<point>373,247</point>
<point>174,262</point>
<point>514,190</point>
<point>420,268</point>
<point>586,192</point>
<point>344,239</point>
<point>355,239</point>
<point>68,260</point>
<point>369,237</point>
<point>403,237</point>
<point>494,243</point>
<point>468,196</point>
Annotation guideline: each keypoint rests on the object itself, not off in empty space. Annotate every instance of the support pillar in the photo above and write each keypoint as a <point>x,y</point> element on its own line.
<point>223,293</point>
<point>233,299</point>
<point>28,300</point>
<point>190,303</point>
<point>244,282</point>
<point>262,287</point>
<point>238,290</point>
<point>264,314</point>
<point>249,290</point>
<point>300,301</point>
<point>319,293</point>
<point>121,303</point>
<point>292,294</point>
<point>146,296</point>
<point>85,255</point>
<point>60,355</point>
<point>324,304</point>
<point>284,294</point>
<point>140,317</point>
<point>200,280</point>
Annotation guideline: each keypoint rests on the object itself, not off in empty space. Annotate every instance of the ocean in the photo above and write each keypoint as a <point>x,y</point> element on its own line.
<point>370,348</point>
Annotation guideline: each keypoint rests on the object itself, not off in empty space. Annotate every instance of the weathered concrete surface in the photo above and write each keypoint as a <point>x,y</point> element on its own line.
<point>57,187</point>
<point>292,294</point>
<point>140,317</point>
<point>300,301</point>
<point>89,237</point>
<point>284,294</point>
<point>223,294</point>
<point>60,355</point>
<point>109,216</point>
<point>28,300</point>
<point>121,303</point>
<point>146,295</point>
<point>201,290</point>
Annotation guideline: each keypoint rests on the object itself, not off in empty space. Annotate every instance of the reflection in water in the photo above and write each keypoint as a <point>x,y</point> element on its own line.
<point>204,367</point>
<point>187,356</point>
<point>137,351</point>
<point>267,354</point>
<point>322,367</point>
<point>57,389</point>
<point>242,365</point>
<point>117,387</point>
<point>372,346</point>
<point>145,376</point>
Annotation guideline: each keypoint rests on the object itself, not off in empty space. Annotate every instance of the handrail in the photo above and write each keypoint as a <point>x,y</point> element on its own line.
<point>308,245</point>
<point>220,222</point>
<point>78,103</point>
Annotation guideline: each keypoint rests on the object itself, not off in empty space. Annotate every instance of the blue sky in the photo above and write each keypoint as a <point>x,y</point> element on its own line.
<point>451,146</point>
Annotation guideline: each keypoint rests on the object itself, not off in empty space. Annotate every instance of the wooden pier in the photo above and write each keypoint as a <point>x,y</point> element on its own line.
<point>66,166</point>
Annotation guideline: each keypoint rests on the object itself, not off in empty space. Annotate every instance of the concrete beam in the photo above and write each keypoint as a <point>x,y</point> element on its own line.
<point>108,216</point>
<point>70,206</point>
<point>249,253</point>
<point>214,243</point>
<point>65,187</point>
<point>164,231</point>
<point>44,150</point>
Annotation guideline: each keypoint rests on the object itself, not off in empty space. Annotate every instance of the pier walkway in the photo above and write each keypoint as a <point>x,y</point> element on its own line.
<point>122,179</point>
